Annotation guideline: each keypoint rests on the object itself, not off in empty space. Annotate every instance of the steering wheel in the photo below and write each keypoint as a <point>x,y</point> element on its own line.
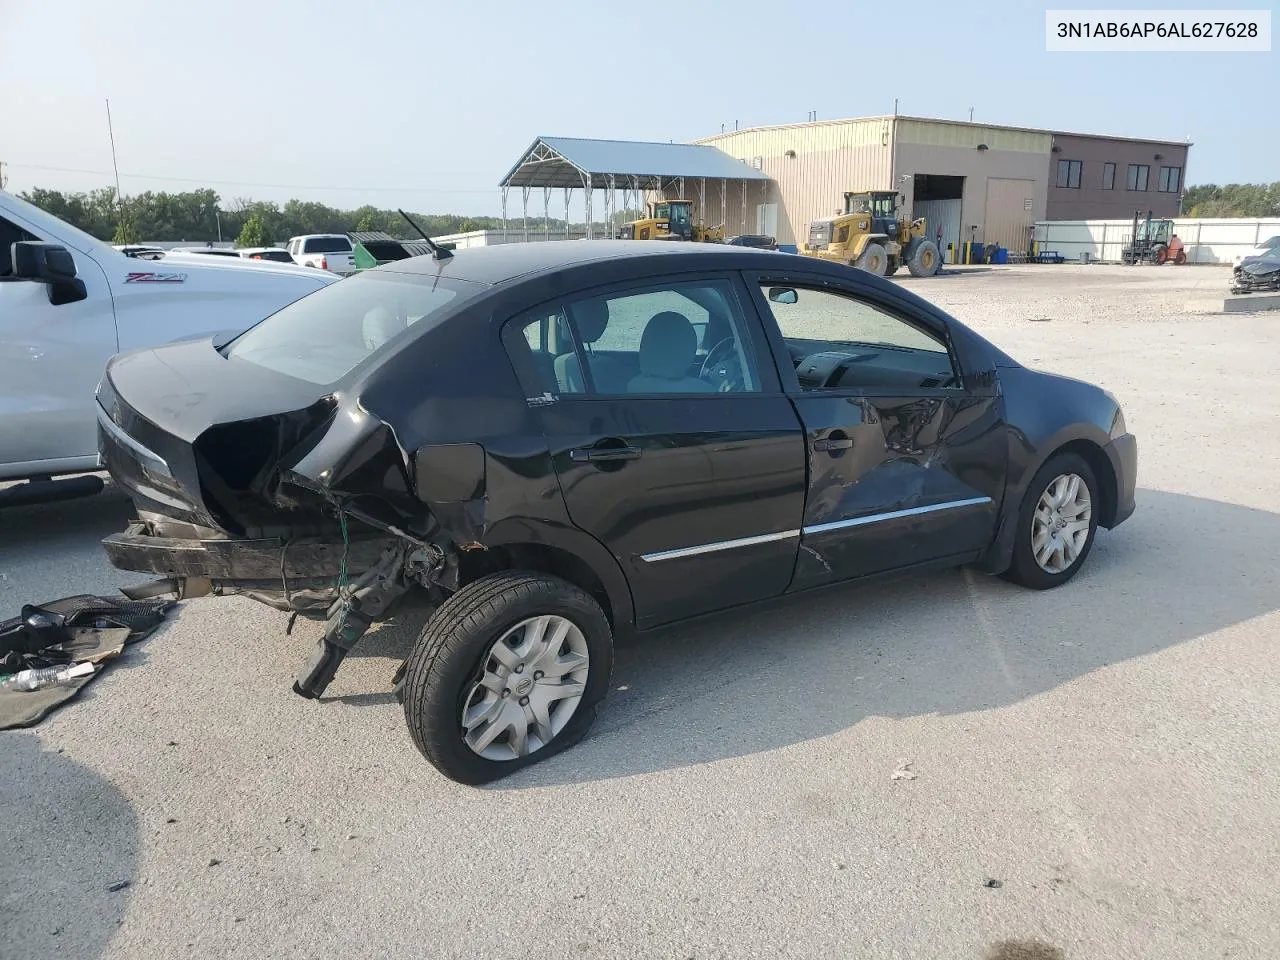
<point>724,367</point>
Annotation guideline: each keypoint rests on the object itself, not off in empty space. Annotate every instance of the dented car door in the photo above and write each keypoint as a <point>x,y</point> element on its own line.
<point>906,451</point>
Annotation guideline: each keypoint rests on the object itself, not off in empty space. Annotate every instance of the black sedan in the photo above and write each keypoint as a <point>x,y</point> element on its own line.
<point>561,442</point>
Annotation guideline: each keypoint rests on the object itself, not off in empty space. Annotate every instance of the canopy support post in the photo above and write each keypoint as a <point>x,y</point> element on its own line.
<point>724,186</point>
<point>525,222</point>
<point>567,192</point>
<point>546,213</point>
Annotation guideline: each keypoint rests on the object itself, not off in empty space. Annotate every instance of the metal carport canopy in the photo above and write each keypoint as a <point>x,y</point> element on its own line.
<point>572,163</point>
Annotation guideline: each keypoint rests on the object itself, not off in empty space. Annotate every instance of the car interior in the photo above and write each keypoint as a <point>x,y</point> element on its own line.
<point>632,346</point>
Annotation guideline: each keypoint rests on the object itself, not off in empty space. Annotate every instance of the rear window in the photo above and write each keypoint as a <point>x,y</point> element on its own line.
<point>326,245</point>
<point>279,256</point>
<point>325,335</point>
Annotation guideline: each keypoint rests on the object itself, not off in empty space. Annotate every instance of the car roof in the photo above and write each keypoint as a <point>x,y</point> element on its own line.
<point>511,261</point>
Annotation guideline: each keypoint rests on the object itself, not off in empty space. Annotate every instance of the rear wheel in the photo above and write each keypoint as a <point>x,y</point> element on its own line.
<point>874,259</point>
<point>1056,523</point>
<point>506,673</point>
<point>924,259</point>
<point>1160,253</point>
<point>1180,258</point>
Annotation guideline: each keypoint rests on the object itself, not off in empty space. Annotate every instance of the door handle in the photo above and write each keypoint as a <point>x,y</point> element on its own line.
<point>833,443</point>
<point>599,454</point>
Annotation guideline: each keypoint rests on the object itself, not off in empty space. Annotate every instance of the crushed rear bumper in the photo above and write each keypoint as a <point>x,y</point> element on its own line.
<point>138,550</point>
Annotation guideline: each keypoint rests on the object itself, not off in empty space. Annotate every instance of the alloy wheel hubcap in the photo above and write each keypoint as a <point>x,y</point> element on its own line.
<point>1060,526</point>
<point>528,687</point>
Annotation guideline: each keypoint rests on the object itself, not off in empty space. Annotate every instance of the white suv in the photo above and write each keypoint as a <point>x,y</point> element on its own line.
<point>328,251</point>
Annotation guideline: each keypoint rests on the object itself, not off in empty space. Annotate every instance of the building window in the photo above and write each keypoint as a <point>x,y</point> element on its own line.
<point>1137,177</point>
<point>1108,176</point>
<point>1170,179</point>
<point>1069,173</point>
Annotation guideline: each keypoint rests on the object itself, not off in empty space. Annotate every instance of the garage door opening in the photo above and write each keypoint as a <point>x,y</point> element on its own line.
<point>938,198</point>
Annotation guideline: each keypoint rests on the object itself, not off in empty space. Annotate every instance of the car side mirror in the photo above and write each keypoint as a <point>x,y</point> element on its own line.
<point>783,295</point>
<point>48,263</point>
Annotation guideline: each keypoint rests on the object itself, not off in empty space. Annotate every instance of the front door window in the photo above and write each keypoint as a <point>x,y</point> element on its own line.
<point>839,342</point>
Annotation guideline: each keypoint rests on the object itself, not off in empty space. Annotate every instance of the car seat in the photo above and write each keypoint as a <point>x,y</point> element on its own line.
<point>667,350</point>
<point>591,317</point>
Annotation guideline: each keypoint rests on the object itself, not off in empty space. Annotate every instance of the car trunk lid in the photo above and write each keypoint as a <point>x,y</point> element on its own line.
<point>173,435</point>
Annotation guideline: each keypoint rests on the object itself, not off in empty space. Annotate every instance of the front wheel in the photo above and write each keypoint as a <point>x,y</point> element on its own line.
<point>506,673</point>
<point>924,259</point>
<point>1056,523</point>
<point>874,259</point>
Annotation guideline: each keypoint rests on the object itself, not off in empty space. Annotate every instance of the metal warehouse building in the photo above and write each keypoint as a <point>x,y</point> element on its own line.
<point>974,182</point>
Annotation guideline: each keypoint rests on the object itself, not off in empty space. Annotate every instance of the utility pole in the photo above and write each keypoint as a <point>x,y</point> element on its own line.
<point>971,114</point>
<point>3,178</point>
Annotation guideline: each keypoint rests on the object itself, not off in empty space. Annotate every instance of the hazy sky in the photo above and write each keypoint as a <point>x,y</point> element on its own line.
<point>427,104</point>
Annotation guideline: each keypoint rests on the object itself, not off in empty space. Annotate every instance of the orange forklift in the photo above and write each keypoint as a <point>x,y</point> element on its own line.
<point>1153,241</point>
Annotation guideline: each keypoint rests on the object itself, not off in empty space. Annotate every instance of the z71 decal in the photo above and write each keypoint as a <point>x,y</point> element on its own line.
<point>155,278</point>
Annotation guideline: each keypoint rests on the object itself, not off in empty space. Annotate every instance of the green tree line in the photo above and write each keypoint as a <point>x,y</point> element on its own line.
<point>200,215</point>
<point>1232,200</point>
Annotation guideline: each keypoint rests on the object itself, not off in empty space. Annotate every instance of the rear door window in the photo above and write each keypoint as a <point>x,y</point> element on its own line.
<point>327,245</point>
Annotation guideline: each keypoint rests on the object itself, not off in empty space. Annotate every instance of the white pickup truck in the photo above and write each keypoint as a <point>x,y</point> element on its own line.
<point>327,251</point>
<point>69,302</point>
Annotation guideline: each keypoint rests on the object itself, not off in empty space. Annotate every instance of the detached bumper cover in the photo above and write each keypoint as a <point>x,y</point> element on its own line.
<point>1123,454</point>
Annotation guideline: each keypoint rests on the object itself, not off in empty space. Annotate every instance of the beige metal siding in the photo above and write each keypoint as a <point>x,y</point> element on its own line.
<point>937,134</point>
<point>830,159</point>
<point>1009,214</point>
<point>977,167</point>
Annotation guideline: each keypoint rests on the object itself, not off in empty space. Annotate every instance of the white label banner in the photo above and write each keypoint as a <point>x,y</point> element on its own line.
<point>1158,31</point>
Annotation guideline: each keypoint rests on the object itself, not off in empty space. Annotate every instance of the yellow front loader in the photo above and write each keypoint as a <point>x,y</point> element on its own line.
<point>870,236</point>
<point>670,220</point>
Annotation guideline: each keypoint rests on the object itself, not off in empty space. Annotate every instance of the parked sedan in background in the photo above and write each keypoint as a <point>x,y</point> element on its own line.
<point>753,240</point>
<point>274,254</point>
<point>563,442</point>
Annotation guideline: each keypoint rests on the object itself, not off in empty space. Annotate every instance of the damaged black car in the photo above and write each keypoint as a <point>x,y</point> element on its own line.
<point>564,442</point>
<point>1257,274</point>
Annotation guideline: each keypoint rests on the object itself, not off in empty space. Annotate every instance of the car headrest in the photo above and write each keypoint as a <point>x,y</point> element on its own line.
<point>591,317</point>
<point>668,346</point>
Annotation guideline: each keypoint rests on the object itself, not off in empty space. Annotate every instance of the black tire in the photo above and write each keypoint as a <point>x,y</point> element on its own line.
<point>1024,570</point>
<point>454,646</point>
<point>874,259</point>
<point>894,264</point>
<point>925,259</point>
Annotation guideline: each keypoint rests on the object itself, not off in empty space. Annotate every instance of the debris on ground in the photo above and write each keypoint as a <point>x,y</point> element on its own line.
<point>904,771</point>
<point>117,886</point>
<point>52,651</point>
<point>991,883</point>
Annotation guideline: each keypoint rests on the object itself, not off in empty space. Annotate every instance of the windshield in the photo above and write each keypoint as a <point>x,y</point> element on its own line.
<point>857,204</point>
<point>324,336</point>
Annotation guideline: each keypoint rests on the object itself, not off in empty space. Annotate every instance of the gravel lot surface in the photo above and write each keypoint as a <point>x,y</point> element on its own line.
<point>1097,768</point>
